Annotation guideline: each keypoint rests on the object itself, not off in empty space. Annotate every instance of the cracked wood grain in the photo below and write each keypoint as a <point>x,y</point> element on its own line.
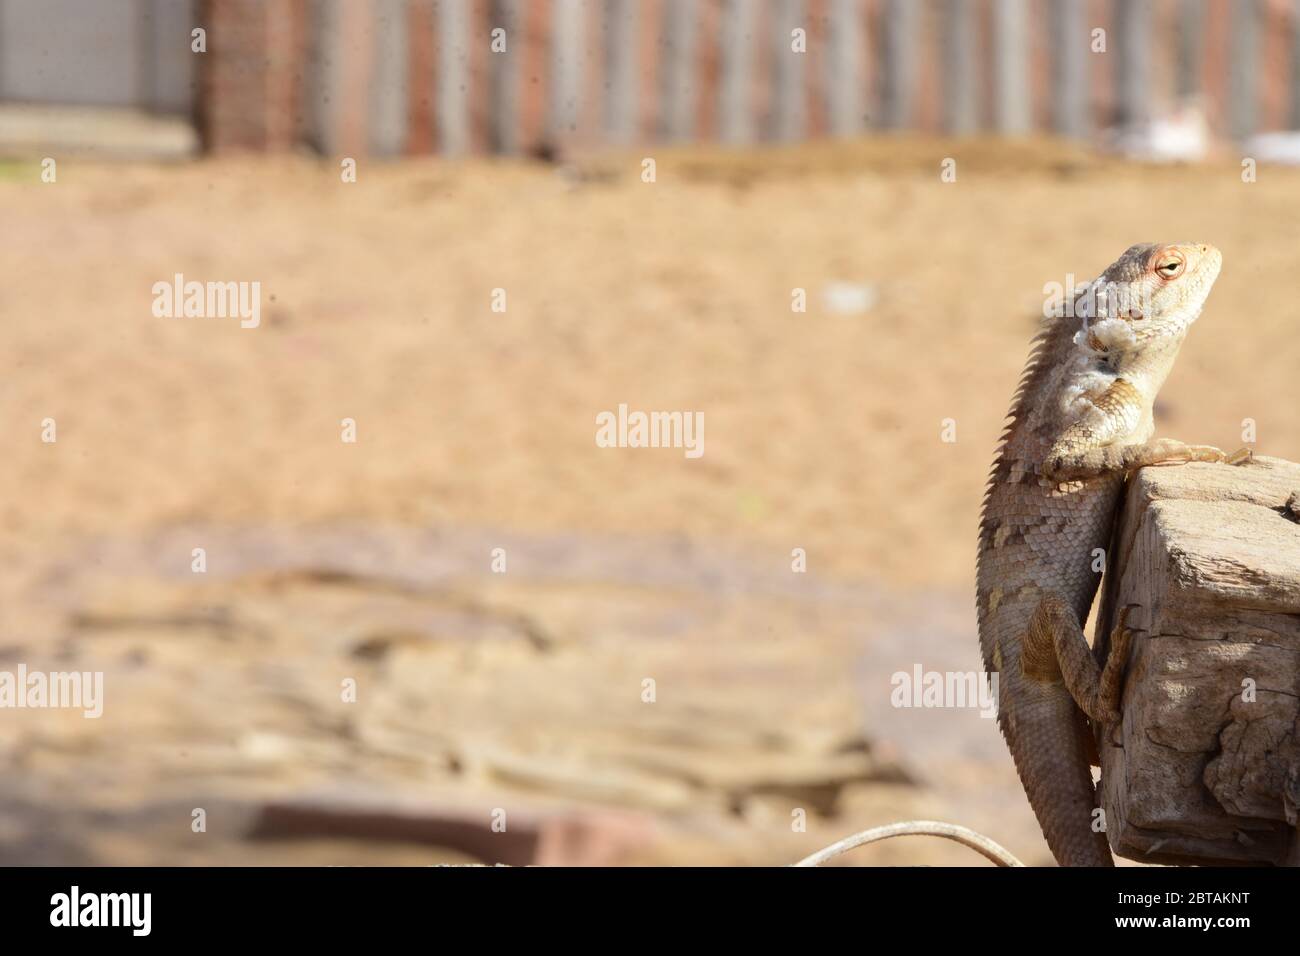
<point>1205,763</point>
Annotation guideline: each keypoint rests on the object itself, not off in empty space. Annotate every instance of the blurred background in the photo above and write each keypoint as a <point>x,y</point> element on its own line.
<point>472,633</point>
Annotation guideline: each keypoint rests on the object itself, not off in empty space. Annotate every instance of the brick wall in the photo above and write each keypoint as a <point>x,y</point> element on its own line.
<point>283,72</point>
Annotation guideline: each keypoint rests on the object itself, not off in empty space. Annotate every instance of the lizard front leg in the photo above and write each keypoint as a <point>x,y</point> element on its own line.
<point>1097,442</point>
<point>1073,464</point>
<point>1055,650</point>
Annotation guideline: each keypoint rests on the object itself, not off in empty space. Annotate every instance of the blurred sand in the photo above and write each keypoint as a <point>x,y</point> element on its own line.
<point>329,560</point>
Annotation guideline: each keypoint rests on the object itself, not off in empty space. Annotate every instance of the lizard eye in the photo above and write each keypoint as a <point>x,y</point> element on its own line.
<point>1170,267</point>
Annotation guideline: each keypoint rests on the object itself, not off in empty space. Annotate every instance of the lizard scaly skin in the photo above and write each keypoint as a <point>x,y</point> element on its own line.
<point>1081,421</point>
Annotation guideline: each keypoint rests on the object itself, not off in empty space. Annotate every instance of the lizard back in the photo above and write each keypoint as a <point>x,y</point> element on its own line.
<point>1037,537</point>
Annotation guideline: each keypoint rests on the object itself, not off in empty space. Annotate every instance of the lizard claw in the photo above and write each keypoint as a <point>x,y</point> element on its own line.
<point>1109,691</point>
<point>1122,623</point>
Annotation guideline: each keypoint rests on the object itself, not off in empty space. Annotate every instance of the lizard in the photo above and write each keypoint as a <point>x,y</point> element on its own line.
<point>1080,422</point>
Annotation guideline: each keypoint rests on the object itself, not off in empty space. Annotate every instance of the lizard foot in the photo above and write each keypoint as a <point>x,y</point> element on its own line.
<point>1110,687</point>
<point>1186,453</point>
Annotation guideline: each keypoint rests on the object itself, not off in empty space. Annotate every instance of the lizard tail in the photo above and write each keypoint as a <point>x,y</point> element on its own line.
<point>1049,742</point>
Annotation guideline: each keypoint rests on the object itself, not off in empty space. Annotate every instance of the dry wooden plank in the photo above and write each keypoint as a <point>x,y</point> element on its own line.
<point>622,25</point>
<point>1191,47</point>
<point>1295,65</point>
<point>736,38</point>
<point>567,44</point>
<point>1011,113</point>
<point>1132,62</point>
<point>1068,55</point>
<point>388,82</point>
<point>845,90</point>
<point>959,67</point>
<point>338,76</point>
<point>789,113</point>
<point>677,97</point>
<point>504,67</point>
<point>1200,768</point>
<point>325,72</point>
<point>1243,55</point>
<point>898,55</point>
<point>453,76</point>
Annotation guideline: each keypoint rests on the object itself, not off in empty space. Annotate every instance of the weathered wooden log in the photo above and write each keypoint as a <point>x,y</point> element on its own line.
<point>1205,766</point>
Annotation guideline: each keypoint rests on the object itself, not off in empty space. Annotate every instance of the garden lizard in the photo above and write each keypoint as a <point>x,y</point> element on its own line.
<point>1079,423</point>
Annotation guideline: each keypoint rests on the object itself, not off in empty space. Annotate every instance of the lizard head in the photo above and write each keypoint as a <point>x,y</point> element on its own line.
<point>1151,291</point>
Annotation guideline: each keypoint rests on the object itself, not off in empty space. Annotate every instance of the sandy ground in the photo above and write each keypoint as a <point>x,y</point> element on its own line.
<point>371,560</point>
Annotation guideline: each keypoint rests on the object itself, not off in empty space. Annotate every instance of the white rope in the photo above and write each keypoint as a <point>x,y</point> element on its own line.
<point>949,831</point>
